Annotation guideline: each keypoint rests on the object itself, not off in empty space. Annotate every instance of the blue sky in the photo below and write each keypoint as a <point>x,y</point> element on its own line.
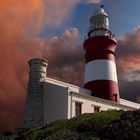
<point>124,17</point>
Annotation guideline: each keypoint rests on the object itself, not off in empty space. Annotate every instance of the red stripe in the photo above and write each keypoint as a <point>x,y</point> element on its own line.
<point>100,42</point>
<point>105,89</point>
<point>100,47</point>
<point>106,54</point>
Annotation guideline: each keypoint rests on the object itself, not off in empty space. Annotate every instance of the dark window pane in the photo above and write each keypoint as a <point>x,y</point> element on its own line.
<point>96,108</point>
<point>78,109</point>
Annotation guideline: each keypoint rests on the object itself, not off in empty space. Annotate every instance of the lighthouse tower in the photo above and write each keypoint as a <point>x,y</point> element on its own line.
<point>100,68</point>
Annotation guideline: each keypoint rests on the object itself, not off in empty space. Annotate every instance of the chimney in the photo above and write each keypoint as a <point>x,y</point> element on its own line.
<point>34,101</point>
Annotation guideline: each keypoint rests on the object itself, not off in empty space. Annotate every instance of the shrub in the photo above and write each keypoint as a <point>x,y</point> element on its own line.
<point>127,128</point>
<point>66,135</point>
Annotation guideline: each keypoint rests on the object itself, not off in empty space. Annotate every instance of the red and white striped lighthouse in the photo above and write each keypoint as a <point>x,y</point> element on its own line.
<point>100,68</point>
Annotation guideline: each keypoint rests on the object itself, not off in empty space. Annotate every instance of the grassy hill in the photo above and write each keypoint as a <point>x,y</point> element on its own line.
<point>109,125</point>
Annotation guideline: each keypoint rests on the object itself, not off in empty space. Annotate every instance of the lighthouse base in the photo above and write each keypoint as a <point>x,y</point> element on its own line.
<point>105,89</point>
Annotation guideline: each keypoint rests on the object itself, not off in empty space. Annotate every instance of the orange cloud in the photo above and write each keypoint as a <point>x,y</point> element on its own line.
<point>129,51</point>
<point>19,23</point>
<point>34,14</point>
<point>20,15</point>
<point>57,11</point>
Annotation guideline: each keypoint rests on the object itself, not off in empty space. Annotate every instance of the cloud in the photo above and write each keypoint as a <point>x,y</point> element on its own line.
<point>128,52</point>
<point>34,14</point>
<point>20,21</point>
<point>93,1</point>
<point>16,49</point>
<point>130,89</point>
<point>128,64</point>
<point>132,75</point>
<point>66,57</point>
<point>57,11</point>
<point>20,15</point>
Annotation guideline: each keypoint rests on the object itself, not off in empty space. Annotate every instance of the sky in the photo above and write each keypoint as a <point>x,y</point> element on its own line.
<point>55,30</point>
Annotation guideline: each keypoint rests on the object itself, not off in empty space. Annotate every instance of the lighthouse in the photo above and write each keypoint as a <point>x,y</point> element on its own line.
<point>100,68</point>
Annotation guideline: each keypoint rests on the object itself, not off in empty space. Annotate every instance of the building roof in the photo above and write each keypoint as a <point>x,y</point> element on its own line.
<point>87,93</point>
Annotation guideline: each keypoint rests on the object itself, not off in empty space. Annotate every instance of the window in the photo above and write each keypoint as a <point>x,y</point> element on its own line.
<point>97,108</point>
<point>78,108</point>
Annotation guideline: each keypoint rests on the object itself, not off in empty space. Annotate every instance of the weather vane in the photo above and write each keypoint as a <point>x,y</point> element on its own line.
<point>102,6</point>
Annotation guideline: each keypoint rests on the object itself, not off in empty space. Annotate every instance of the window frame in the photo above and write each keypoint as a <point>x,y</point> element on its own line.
<point>97,107</point>
<point>78,109</point>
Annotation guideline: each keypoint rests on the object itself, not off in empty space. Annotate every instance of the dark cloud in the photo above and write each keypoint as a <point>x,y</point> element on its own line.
<point>129,44</point>
<point>129,89</point>
<point>128,64</point>
<point>66,57</point>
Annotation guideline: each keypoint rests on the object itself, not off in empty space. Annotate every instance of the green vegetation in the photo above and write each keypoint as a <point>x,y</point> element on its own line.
<point>109,125</point>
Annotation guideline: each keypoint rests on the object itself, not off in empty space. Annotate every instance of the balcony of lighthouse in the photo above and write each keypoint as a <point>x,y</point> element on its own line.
<point>91,32</point>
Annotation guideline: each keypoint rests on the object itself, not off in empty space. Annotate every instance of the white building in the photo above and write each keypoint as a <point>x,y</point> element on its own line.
<point>63,100</point>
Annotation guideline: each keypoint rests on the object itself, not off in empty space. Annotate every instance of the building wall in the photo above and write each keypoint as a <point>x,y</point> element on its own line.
<point>60,99</point>
<point>130,103</point>
<point>88,104</point>
<point>55,102</point>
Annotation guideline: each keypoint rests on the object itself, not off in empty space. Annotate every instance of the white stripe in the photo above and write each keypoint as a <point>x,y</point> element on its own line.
<point>100,70</point>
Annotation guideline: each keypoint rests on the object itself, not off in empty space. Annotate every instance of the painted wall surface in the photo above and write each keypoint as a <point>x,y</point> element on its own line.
<point>55,102</point>
<point>89,103</point>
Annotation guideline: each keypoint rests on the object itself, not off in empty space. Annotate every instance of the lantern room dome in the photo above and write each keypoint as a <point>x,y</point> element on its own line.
<point>99,23</point>
<point>99,20</point>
